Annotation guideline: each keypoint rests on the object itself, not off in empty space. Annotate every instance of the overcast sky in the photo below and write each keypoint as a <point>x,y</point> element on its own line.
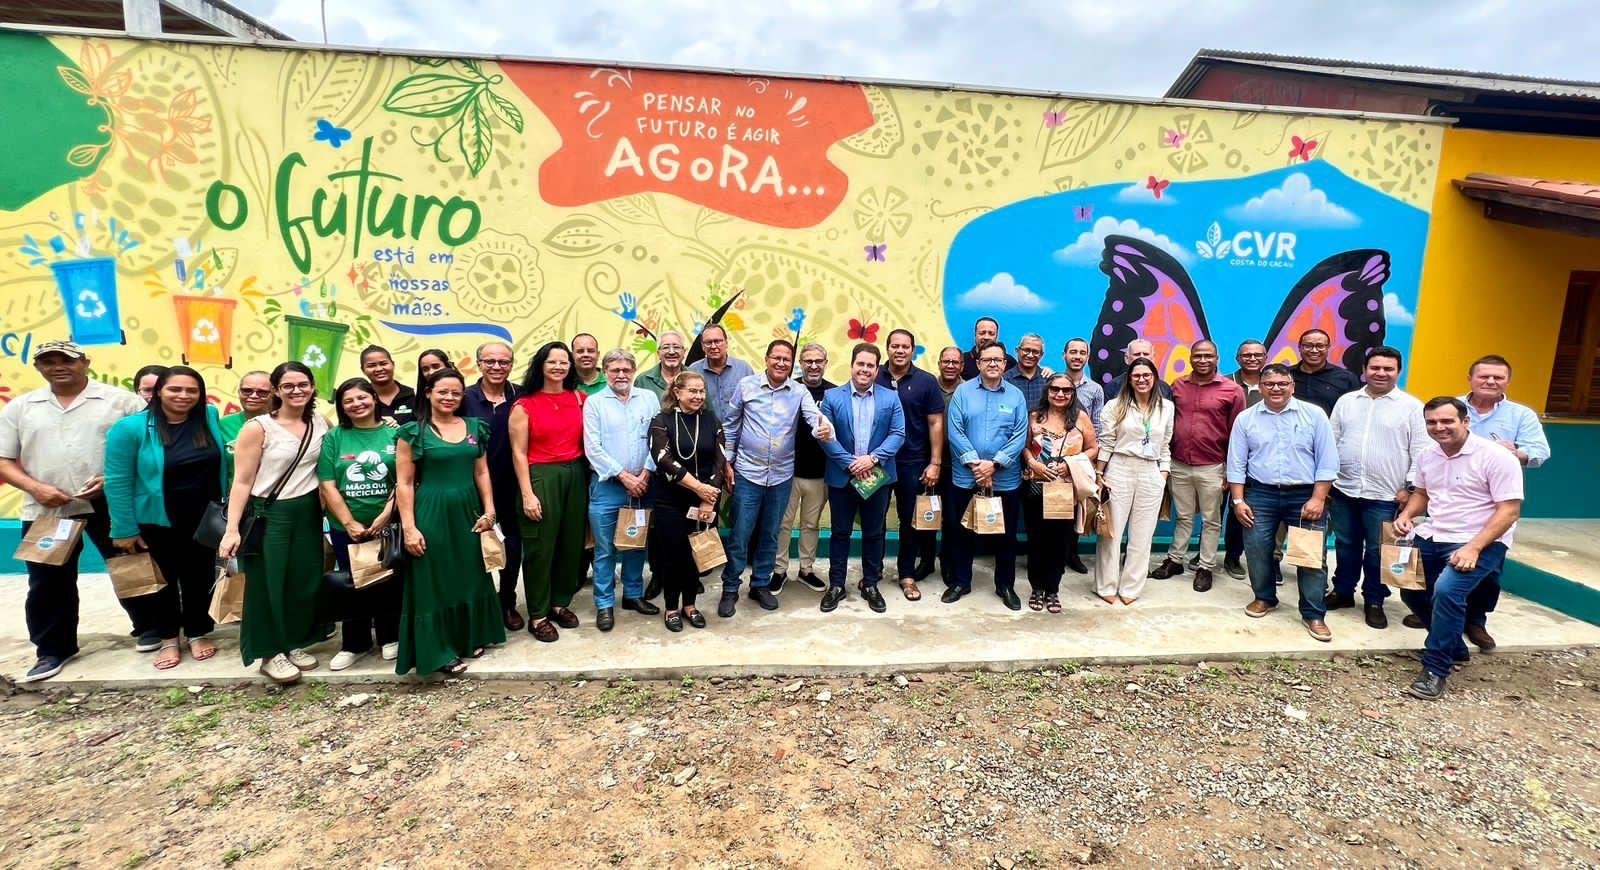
<point>1133,47</point>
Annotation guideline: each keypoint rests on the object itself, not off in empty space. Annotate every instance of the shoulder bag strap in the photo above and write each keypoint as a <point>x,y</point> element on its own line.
<point>283,480</point>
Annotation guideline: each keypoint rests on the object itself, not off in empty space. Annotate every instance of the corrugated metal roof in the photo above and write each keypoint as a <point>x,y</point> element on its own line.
<point>1399,73</point>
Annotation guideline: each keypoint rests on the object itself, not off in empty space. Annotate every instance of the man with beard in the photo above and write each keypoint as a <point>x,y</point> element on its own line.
<point>809,495</point>
<point>669,353</point>
<point>985,331</point>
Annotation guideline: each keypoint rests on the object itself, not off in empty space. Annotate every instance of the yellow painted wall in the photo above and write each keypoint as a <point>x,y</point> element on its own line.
<point>1493,287</point>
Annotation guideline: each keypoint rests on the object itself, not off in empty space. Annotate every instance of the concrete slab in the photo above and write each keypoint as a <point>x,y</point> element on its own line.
<point>1171,624</point>
<point>1569,549</point>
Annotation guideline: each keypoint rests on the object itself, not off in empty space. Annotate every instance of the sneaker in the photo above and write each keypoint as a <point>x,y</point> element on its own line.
<point>344,659</point>
<point>729,603</point>
<point>813,582</point>
<point>303,660</point>
<point>45,668</point>
<point>280,670</point>
<point>776,585</point>
<point>148,643</point>
<point>764,598</point>
<point>1234,569</point>
<point>391,651</point>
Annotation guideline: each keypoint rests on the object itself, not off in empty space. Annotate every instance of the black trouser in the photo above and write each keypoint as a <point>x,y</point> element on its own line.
<point>52,605</point>
<point>964,543</point>
<point>671,560</point>
<point>190,569</point>
<point>945,488</point>
<point>915,545</point>
<point>508,511</point>
<point>1050,542</point>
<point>373,609</point>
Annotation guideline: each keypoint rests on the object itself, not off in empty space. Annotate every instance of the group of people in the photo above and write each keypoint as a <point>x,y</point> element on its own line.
<point>590,463</point>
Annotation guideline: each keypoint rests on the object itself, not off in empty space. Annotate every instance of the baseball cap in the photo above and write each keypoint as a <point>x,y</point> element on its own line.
<point>65,348</point>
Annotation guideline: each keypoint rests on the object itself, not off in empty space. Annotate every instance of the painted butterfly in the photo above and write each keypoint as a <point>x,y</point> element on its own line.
<point>1083,212</point>
<point>1156,186</point>
<point>328,132</point>
<point>1173,138</point>
<point>1053,120</point>
<point>868,333</point>
<point>878,253</point>
<point>1302,148</point>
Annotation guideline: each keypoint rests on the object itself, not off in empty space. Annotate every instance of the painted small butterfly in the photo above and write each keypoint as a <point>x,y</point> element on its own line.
<point>328,132</point>
<point>858,332</point>
<point>1053,120</point>
<point>877,253</point>
<point>1302,148</point>
<point>1083,212</point>
<point>1173,138</point>
<point>1156,186</point>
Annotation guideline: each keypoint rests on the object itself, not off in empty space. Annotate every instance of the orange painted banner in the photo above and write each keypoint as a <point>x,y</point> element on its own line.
<point>755,148</point>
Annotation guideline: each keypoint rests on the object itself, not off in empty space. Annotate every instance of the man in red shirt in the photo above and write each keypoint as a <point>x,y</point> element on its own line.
<point>1206,406</point>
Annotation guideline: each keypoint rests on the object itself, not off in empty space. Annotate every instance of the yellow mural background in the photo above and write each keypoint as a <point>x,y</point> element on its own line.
<point>932,161</point>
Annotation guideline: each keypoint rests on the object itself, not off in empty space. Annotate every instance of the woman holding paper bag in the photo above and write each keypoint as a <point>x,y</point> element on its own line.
<point>686,444</point>
<point>1058,429</point>
<point>274,496</point>
<point>451,607</point>
<point>356,468</point>
<point>1135,453</point>
<point>162,468</point>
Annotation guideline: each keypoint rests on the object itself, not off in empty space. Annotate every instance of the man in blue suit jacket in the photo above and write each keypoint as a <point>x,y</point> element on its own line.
<point>869,428</point>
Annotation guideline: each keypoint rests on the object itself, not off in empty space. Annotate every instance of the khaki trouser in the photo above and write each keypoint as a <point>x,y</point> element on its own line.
<point>807,498</point>
<point>1136,488</point>
<point>1197,489</point>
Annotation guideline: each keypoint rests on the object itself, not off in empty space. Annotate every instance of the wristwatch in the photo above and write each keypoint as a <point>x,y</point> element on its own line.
<point>1237,502</point>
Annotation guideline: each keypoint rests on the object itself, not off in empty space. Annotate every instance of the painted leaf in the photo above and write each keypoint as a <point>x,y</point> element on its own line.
<point>1204,250</point>
<point>637,209</point>
<point>431,61</point>
<point>75,80</point>
<point>84,155</point>
<point>1214,234</point>
<point>578,236</point>
<point>1223,248</point>
<point>430,95</point>
<point>506,109</point>
<point>477,140</point>
<point>1085,131</point>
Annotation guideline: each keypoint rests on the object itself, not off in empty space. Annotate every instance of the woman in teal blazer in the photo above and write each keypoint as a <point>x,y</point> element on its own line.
<point>162,468</point>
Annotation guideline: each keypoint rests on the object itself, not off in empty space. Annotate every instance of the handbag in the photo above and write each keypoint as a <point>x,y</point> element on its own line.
<point>252,526</point>
<point>1401,560</point>
<point>928,513</point>
<point>392,546</point>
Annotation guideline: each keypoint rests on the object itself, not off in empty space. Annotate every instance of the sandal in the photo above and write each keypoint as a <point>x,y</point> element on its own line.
<point>199,653</point>
<point>908,587</point>
<point>1036,600</point>
<point>476,653</point>
<point>673,620</point>
<point>163,663</point>
<point>456,667</point>
<point>1052,603</point>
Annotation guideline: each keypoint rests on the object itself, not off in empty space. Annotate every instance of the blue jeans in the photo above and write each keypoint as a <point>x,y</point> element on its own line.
<point>757,516</point>
<point>1357,527</point>
<point>1272,506</point>
<point>843,504</point>
<point>1443,605</point>
<point>606,497</point>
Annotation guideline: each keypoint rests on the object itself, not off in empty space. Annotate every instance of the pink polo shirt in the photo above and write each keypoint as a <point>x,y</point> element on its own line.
<point>1463,489</point>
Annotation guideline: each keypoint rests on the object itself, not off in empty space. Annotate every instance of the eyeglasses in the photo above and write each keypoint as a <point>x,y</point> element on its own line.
<point>295,388</point>
<point>1028,351</point>
<point>991,361</point>
<point>494,363</point>
<point>666,347</point>
<point>813,362</point>
<point>1143,376</point>
<point>254,393</point>
<point>1252,356</point>
<point>1313,347</point>
<point>713,342</point>
<point>1276,385</point>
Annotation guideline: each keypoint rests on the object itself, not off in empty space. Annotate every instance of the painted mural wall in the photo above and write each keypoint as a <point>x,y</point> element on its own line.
<point>233,207</point>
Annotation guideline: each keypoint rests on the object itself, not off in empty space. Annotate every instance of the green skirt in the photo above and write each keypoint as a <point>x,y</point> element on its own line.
<point>451,606</point>
<point>283,585</point>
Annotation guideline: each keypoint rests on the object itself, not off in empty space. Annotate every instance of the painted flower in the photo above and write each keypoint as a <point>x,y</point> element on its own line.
<point>205,332</point>
<point>90,305</point>
<point>315,356</point>
<point>878,211</point>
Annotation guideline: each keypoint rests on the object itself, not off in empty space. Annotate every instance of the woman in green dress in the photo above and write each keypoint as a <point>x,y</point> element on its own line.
<point>451,608</point>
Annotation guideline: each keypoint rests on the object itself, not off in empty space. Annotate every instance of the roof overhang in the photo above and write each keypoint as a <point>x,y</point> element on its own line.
<point>1571,207</point>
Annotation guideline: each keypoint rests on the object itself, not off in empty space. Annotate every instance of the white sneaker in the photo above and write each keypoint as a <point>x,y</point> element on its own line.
<point>343,659</point>
<point>391,651</point>
<point>303,660</point>
<point>280,670</point>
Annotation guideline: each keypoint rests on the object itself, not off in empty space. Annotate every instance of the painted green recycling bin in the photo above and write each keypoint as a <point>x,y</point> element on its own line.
<point>318,344</point>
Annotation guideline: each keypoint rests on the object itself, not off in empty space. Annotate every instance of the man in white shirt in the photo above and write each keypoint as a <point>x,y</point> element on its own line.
<point>1379,433</point>
<point>52,448</point>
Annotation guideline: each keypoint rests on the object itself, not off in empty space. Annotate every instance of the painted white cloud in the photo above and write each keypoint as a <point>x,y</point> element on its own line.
<point>1002,293</point>
<point>1090,244</point>
<point>1295,202</point>
<point>1138,194</point>
<point>1394,311</point>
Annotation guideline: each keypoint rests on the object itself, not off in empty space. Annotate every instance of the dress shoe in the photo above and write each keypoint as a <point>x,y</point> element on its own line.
<point>1412,621</point>
<point>1376,618</point>
<point>605,619</point>
<point>640,605</point>
<point>513,619</point>
<point>1234,569</point>
<point>1259,608</point>
<point>696,619</point>
<point>1479,635</point>
<point>673,621</point>
<point>831,598</point>
<point>652,589</point>
<point>544,631</point>
<point>1428,687</point>
<point>874,599</point>
<point>1335,601</point>
<point>813,582</point>
<point>764,598</point>
<point>1075,564</point>
<point>775,586</point>
<point>1202,579</point>
<point>952,594</point>
<point>727,605</point>
<point>1009,598</point>
<point>1167,569</point>
<point>924,571</point>
<point>1318,630</point>
<point>563,617</point>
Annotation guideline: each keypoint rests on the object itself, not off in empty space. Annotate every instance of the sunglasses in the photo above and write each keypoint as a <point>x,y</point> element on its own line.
<point>1061,389</point>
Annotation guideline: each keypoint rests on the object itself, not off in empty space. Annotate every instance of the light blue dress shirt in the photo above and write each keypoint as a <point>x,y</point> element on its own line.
<point>863,406</point>
<point>616,434</point>
<point>761,425</point>
<point>720,389</point>
<point>987,424</point>
<point>1292,447</point>
<point>1512,422</point>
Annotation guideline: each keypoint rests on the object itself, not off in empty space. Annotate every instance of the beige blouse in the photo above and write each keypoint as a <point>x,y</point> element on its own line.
<point>1137,436</point>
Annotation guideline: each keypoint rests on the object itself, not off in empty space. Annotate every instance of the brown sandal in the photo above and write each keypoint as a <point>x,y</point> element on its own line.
<point>908,587</point>
<point>163,663</point>
<point>1052,603</point>
<point>201,655</point>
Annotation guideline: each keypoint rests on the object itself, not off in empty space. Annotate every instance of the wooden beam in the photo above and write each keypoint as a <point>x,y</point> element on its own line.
<point>1540,219</point>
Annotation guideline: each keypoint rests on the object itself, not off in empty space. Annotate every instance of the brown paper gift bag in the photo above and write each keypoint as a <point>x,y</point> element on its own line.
<point>366,563</point>
<point>706,546</point>
<point>50,540</point>
<point>494,550</point>
<point>1059,500</point>
<point>1103,527</point>
<point>1308,548</point>
<point>135,575</point>
<point>1401,560</point>
<point>986,515</point>
<point>1087,513</point>
<point>227,597</point>
<point>633,528</point>
<point>928,513</point>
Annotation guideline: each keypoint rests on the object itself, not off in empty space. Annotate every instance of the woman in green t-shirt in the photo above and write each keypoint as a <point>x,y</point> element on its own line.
<point>357,470</point>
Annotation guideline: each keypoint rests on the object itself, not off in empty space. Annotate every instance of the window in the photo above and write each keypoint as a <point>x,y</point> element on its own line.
<point>1575,379</point>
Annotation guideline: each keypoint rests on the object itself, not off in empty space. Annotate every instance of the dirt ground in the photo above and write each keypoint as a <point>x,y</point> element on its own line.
<point>1262,764</point>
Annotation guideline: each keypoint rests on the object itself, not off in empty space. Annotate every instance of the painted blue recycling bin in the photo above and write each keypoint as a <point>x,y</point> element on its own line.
<point>89,294</point>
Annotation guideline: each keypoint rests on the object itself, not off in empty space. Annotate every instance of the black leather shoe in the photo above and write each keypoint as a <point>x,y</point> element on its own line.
<point>640,605</point>
<point>764,598</point>
<point>727,605</point>
<point>1194,561</point>
<point>1009,596</point>
<point>1480,636</point>
<point>874,598</point>
<point>776,585</point>
<point>952,594</point>
<point>1376,618</point>
<point>1335,601</point>
<point>831,598</point>
<point>1428,687</point>
<point>696,619</point>
<point>652,589</point>
<point>1075,564</point>
<point>673,621</point>
<point>924,571</point>
<point>605,618</point>
<point>1412,621</point>
<point>1234,569</point>
<point>1166,569</point>
<point>1202,579</point>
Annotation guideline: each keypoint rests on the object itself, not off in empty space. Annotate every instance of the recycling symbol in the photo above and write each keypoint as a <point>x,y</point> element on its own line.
<point>90,305</point>
<point>314,356</point>
<point>205,332</point>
